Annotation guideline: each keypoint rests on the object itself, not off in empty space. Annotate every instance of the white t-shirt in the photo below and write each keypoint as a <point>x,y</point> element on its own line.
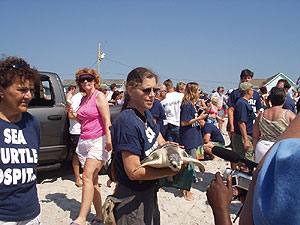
<point>109,95</point>
<point>75,127</point>
<point>172,104</point>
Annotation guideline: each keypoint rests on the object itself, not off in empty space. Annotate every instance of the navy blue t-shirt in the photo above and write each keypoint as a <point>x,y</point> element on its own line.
<point>158,111</point>
<point>289,104</point>
<point>20,147</point>
<point>130,133</point>
<point>215,134</point>
<point>254,102</point>
<point>189,136</point>
<point>243,112</point>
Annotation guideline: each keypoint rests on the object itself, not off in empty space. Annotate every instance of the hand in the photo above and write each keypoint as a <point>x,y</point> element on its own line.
<point>174,143</point>
<point>68,108</point>
<point>202,116</point>
<point>247,145</point>
<point>219,195</point>
<point>108,146</point>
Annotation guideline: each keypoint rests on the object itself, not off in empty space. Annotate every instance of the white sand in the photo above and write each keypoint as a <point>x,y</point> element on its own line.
<point>60,198</point>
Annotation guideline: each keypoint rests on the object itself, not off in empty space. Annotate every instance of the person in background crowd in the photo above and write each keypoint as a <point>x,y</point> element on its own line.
<point>298,105</point>
<point>272,191</point>
<point>180,87</point>
<point>74,134</point>
<point>112,87</point>
<point>172,104</point>
<point>263,92</point>
<point>94,143</point>
<point>211,137</point>
<point>103,89</point>
<point>221,104</point>
<point>243,123</point>
<point>190,135</point>
<point>270,124</point>
<point>213,113</point>
<point>289,102</point>
<point>134,136</point>
<point>115,97</point>
<point>20,138</point>
<point>255,103</point>
<point>71,92</point>
<point>158,111</point>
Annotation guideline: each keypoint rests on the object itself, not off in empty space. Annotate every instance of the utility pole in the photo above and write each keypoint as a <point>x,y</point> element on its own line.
<point>99,58</point>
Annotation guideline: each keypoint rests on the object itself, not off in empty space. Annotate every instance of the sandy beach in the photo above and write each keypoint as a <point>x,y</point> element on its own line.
<point>60,198</point>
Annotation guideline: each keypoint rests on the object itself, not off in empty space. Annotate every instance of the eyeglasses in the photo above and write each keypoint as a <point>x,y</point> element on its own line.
<point>88,79</point>
<point>148,90</point>
<point>18,65</point>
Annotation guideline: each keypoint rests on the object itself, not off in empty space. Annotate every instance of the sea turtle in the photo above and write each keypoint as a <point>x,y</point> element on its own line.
<point>169,155</point>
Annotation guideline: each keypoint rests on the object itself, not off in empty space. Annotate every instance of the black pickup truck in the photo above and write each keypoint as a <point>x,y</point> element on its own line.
<point>54,122</point>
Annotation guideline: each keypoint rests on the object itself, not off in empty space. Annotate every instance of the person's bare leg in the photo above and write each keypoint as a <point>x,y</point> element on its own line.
<point>97,202</point>
<point>91,165</point>
<point>76,168</point>
<point>208,149</point>
<point>220,123</point>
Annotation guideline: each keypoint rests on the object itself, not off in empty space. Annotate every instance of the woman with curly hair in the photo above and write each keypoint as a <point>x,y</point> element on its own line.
<point>94,144</point>
<point>20,139</point>
<point>190,135</point>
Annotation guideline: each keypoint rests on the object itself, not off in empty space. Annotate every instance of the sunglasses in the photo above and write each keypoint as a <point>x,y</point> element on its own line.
<point>88,79</point>
<point>18,65</point>
<point>148,90</point>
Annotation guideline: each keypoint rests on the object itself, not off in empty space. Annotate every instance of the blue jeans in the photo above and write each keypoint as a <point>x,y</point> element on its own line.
<point>173,133</point>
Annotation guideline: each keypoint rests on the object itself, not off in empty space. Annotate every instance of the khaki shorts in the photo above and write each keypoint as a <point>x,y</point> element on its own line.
<point>92,149</point>
<point>238,147</point>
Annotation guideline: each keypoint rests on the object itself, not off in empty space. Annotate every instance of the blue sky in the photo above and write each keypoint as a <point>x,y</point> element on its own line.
<point>205,41</point>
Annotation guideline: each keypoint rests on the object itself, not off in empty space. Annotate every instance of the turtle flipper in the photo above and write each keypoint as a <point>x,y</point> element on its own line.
<point>196,162</point>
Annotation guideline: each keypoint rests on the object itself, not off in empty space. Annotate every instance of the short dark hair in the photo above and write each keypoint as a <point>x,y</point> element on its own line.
<point>169,84</point>
<point>286,83</point>
<point>277,96</point>
<point>71,87</point>
<point>112,86</point>
<point>220,87</point>
<point>246,73</point>
<point>263,90</point>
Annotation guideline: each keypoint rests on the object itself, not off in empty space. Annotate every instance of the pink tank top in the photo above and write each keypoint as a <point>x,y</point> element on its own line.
<point>92,125</point>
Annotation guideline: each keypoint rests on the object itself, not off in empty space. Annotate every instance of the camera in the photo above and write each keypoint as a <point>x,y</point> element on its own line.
<point>239,178</point>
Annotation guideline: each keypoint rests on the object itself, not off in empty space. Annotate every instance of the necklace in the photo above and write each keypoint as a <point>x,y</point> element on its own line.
<point>88,98</point>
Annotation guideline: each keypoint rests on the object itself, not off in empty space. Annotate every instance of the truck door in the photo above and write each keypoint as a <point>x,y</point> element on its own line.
<point>46,106</point>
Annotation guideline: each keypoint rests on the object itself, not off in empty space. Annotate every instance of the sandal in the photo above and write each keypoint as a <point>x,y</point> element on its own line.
<point>96,222</point>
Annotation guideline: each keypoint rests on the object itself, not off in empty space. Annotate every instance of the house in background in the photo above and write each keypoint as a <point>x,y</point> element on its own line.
<point>271,81</point>
<point>119,82</point>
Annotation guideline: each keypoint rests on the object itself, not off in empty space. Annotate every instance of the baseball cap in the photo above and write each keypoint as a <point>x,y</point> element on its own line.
<point>245,86</point>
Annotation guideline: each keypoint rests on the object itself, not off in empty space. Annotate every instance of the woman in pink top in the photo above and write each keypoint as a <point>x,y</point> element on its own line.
<point>212,111</point>
<point>94,143</point>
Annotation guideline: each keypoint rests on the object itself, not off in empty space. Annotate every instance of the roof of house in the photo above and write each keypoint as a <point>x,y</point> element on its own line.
<point>257,83</point>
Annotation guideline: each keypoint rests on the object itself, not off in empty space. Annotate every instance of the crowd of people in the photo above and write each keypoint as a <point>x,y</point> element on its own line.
<point>152,114</point>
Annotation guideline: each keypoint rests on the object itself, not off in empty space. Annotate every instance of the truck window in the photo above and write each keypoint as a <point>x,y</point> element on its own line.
<point>43,93</point>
